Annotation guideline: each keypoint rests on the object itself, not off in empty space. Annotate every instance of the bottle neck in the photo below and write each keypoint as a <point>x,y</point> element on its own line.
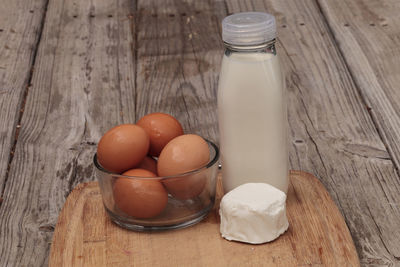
<point>268,47</point>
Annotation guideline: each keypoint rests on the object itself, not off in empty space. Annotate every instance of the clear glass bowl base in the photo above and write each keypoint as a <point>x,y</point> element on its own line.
<point>139,227</point>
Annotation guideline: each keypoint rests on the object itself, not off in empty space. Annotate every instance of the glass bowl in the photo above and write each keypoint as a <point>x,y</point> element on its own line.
<point>191,197</point>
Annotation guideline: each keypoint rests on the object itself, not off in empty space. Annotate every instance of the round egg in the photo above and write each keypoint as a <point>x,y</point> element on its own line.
<point>161,129</point>
<point>123,147</point>
<point>183,154</point>
<point>140,198</point>
<point>148,163</point>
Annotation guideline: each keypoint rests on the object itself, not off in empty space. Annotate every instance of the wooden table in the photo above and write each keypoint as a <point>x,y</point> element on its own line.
<point>70,70</point>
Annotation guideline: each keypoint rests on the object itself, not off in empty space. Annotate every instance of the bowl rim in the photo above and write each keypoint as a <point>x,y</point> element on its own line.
<point>211,163</point>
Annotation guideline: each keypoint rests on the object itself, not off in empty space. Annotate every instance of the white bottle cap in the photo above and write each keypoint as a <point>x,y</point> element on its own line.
<point>248,28</point>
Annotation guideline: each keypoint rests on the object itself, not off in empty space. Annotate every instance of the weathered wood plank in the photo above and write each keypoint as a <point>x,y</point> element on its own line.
<point>83,84</point>
<point>368,34</point>
<point>20,27</point>
<point>179,55</point>
<point>332,134</point>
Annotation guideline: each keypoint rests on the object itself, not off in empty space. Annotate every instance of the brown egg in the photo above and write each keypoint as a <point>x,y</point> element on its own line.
<point>161,129</point>
<point>140,198</point>
<point>148,163</point>
<point>183,154</point>
<point>122,147</point>
<point>186,187</point>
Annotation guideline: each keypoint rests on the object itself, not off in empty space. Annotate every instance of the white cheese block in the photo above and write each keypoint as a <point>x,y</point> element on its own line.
<point>253,213</point>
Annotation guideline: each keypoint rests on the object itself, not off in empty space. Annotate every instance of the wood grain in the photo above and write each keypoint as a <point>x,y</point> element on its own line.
<point>101,63</point>
<point>20,28</point>
<point>332,133</point>
<point>317,236</point>
<point>368,35</point>
<point>179,55</point>
<point>83,84</point>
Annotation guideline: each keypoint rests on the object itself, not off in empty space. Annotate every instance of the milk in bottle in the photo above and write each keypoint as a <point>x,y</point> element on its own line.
<point>251,104</point>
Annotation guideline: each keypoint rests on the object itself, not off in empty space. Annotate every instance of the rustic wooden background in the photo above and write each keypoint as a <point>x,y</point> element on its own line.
<point>70,70</point>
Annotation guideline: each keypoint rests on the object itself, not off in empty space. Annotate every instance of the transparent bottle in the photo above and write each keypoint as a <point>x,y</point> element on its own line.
<point>251,104</point>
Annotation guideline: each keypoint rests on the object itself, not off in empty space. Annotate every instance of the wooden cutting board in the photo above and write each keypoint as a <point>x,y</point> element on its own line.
<point>317,235</point>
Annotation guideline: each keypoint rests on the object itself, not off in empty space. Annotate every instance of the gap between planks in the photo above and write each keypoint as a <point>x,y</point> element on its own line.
<point>134,31</point>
